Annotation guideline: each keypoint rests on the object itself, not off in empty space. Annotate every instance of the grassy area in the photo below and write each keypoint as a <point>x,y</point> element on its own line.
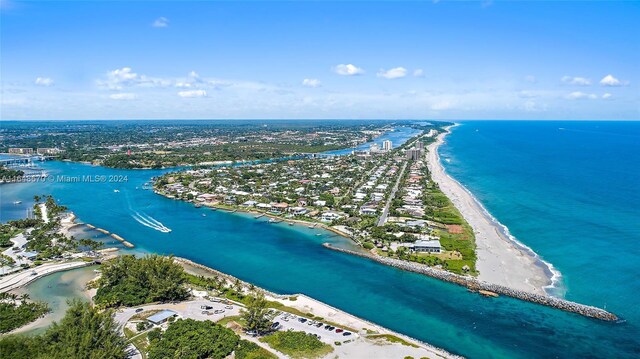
<point>250,350</point>
<point>234,318</point>
<point>297,344</point>
<point>392,339</point>
<point>139,340</point>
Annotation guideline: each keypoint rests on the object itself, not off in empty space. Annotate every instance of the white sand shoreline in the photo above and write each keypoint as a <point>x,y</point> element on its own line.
<point>501,258</point>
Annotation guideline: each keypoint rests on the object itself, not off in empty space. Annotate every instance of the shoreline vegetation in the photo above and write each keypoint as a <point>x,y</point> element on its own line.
<point>119,289</point>
<point>238,291</point>
<point>503,267</point>
<point>501,259</point>
<point>383,200</point>
<point>159,144</point>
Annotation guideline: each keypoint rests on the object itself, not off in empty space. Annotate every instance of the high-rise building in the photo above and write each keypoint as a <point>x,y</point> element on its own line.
<point>413,154</point>
<point>386,145</point>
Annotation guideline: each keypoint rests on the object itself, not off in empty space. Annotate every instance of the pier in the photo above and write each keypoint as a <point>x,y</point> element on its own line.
<point>485,287</point>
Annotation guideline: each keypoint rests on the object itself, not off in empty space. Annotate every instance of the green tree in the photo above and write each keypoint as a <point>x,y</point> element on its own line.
<point>84,332</point>
<point>255,314</point>
<point>128,280</point>
<point>191,339</point>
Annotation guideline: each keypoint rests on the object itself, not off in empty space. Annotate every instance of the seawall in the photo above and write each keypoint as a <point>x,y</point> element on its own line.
<point>476,285</point>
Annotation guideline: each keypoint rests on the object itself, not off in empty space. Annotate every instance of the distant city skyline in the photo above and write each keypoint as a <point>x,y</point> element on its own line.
<point>316,60</point>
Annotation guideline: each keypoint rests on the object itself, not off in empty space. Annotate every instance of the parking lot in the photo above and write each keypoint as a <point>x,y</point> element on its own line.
<point>290,321</point>
<point>191,309</point>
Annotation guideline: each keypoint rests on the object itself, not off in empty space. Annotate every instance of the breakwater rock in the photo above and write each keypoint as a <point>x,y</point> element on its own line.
<point>477,285</point>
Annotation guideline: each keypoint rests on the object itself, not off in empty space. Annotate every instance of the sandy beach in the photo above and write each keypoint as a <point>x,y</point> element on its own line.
<point>500,259</point>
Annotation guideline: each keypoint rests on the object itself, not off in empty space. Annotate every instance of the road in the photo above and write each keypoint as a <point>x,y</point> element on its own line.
<point>385,211</point>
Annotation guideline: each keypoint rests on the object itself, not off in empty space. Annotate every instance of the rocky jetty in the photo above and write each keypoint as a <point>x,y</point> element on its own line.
<point>477,285</point>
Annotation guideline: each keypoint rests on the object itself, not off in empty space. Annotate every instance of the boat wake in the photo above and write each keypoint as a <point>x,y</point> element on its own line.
<point>148,221</point>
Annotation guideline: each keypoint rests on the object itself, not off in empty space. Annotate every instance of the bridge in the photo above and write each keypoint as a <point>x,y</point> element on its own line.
<point>22,160</point>
<point>318,155</point>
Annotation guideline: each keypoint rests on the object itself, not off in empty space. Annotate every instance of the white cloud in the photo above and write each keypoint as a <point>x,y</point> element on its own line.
<point>606,95</point>
<point>125,77</point>
<point>418,72</point>
<point>348,70</point>
<point>311,82</point>
<point>394,73</point>
<point>609,80</point>
<point>577,95</point>
<point>441,105</point>
<point>578,81</point>
<point>193,93</point>
<point>161,22</point>
<point>123,96</point>
<point>43,81</point>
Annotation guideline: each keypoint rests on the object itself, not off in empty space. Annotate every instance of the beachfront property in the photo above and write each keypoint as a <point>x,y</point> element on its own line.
<point>413,154</point>
<point>426,246</point>
<point>350,192</point>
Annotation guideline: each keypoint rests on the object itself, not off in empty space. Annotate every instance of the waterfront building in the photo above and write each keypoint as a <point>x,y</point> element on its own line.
<point>21,151</point>
<point>278,207</point>
<point>427,246</point>
<point>48,151</point>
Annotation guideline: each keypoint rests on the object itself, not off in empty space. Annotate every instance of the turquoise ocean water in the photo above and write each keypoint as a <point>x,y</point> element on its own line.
<point>571,195</point>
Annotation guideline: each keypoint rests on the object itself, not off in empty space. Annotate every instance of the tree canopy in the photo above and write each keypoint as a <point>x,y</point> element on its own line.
<point>191,339</point>
<point>255,314</point>
<point>17,311</point>
<point>84,332</point>
<point>130,281</point>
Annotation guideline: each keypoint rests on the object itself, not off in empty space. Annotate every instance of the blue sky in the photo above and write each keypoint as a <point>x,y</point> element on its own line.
<point>419,59</point>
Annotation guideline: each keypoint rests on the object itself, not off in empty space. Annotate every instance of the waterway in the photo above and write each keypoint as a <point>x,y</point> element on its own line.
<point>291,259</point>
